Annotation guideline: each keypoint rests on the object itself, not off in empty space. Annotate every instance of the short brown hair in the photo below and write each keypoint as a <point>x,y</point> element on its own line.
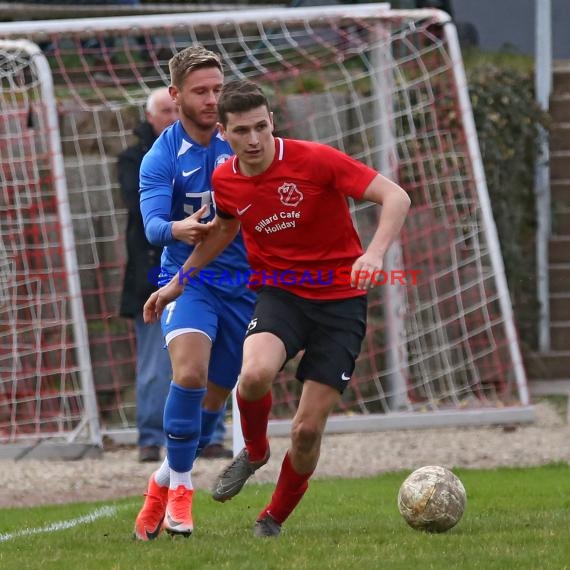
<point>190,59</point>
<point>239,96</point>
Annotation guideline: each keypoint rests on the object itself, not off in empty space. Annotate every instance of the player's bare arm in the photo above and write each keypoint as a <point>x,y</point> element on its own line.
<point>219,235</point>
<point>395,204</point>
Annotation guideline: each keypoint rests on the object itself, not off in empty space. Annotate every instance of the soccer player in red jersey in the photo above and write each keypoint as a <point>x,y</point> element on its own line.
<point>290,199</point>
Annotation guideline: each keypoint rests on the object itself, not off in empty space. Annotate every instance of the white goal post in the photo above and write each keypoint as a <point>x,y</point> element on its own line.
<point>41,296</point>
<point>386,86</point>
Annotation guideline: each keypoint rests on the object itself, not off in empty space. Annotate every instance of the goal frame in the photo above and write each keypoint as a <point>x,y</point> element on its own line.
<point>86,439</point>
<point>394,420</point>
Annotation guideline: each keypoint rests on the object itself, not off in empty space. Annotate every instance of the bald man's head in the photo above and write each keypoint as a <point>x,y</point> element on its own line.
<point>161,111</point>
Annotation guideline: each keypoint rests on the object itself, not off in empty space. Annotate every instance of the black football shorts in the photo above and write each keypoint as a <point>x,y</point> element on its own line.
<point>329,332</point>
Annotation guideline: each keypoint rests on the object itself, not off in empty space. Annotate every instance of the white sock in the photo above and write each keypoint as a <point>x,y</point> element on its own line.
<point>177,479</point>
<point>162,476</point>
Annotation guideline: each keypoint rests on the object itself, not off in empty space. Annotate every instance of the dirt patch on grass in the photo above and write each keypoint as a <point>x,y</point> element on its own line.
<point>119,474</point>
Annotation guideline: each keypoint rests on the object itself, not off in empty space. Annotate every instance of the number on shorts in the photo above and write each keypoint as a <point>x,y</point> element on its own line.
<point>170,311</point>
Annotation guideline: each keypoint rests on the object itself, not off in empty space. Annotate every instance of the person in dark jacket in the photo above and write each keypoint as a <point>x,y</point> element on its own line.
<point>153,370</point>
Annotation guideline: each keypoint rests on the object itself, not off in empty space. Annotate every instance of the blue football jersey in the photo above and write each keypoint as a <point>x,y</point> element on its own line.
<point>175,182</point>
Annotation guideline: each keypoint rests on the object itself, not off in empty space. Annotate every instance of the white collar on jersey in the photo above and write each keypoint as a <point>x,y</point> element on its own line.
<point>280,153</point>
<point>183,147</point>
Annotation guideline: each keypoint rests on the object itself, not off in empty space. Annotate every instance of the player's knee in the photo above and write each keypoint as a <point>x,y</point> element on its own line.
<point>305,436</point>
<point>256,378</point>
<point>191,377</point>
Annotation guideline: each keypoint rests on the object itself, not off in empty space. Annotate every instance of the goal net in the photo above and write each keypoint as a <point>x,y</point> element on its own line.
<point>385,86</point>
<point>46,387</point>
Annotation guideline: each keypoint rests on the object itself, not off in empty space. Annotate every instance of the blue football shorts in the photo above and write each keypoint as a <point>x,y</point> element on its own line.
<point>222,319</point>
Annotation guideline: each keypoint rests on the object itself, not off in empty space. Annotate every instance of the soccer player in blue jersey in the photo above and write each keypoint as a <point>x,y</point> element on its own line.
<point>204,328</point>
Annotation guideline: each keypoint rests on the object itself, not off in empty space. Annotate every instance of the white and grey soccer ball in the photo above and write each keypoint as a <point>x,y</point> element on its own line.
<point>432,499</point>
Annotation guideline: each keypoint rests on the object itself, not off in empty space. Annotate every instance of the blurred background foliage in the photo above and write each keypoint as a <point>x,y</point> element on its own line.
<point>507,117</point>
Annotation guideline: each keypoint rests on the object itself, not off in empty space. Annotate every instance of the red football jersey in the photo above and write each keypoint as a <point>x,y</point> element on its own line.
<point>295,217</point>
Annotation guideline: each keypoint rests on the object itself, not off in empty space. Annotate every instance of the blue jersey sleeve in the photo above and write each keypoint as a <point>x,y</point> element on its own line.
<point>156,174</point>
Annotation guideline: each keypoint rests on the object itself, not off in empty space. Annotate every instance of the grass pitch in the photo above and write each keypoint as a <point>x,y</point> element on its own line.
<point>515,518</point>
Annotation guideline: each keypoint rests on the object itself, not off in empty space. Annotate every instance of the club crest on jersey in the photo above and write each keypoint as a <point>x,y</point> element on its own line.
<point>289,194</point>
<point>221,159</point>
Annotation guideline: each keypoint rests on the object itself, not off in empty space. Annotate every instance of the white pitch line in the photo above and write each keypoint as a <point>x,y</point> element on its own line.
<point>61,525</point>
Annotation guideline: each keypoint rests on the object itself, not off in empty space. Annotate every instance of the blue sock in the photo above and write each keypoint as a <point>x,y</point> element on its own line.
<point>182,424</point>
<point>209,422</point>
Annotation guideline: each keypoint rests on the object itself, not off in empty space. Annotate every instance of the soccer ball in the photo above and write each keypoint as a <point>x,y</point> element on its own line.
<point>432,499</point>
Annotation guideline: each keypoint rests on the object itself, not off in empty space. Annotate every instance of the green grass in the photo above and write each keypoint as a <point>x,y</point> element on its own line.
<point>515,518</point>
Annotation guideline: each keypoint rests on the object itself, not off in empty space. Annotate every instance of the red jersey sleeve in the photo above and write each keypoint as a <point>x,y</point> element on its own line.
<point>342,172</point>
